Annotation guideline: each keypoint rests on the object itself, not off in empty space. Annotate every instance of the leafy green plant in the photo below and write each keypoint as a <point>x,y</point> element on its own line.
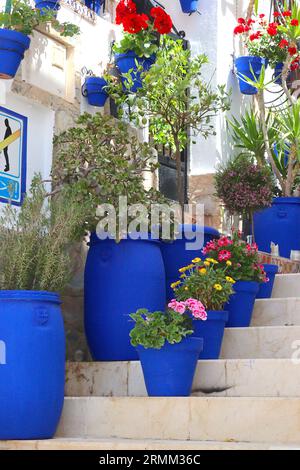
<point>23,18</point>
<point>35,241</point>
<point>152,330</point>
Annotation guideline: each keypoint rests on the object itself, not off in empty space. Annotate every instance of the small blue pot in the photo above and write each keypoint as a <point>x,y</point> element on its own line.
<point>189,6</point>
<point>277,73</point>
<point>48,5</point>
<point>265,288</point>
<point>169,371</point>
<point>127,62</point>
<point>243,66</point>
<point>12,48</point>
<point>94,5</point>
<point>94,90</point>
<point>241,303</point>
<point>212,332</point>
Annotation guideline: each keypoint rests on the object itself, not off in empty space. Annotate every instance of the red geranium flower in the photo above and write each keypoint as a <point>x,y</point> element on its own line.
<point>295,65</point>
<point>292,50</point>
<point>239,29</point>
<point>287,13</point>
<point>272,29</point>
<point>295,22</point>
<point>250,22</point>
<point>276,14</point>
<point>162,21</point>
<point>241,21</point>
<point>135,23</point>
<point>283,43</point>
<point>262,15</point>
<point>124,8</point>
<point>255,36</point>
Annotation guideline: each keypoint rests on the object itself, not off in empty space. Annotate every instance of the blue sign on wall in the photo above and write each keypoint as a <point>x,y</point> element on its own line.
<point>13,156</point>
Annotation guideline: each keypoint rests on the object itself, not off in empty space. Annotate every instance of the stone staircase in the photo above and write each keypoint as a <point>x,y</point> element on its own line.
<point>249,399</point>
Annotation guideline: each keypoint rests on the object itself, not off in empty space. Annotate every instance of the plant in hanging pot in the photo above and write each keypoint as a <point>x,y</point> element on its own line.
<point>136,51</point>
<point>16,26</point>
<point>205,280</point>
<point>240,261</point>
<point>35,266</point>
<point>166,347</point>
<point>44,5</point>
<point>103,162</point>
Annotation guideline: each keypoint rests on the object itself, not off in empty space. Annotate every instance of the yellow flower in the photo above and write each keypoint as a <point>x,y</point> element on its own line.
<point>218,287</point>
<point>206,263</point>
<point>213,261</point>
<point>229,279</point>
<point>186,288</point>
<point>175,284</point>
<point>229,263</point>
<point>202,271</point>
<point>190,266</point>
<point>182,270</point>
<point>196,260</point>
<point>182,276</point>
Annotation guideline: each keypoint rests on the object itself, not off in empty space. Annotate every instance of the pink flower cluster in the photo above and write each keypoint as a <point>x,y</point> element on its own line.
<point>216,244</point>
<point>196,308</point>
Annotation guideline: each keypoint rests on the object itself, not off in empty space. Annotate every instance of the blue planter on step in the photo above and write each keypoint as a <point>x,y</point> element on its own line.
<point>176,254</point>
<point>265,288</point>
<point>280,224</point>
<point>32,364</point>
<point>12,48</point>
<point>243,65</point>
<point>95,92</point>
<point>119,279</point>
<point>212,332</point>
<point>169,371</point>
<point>189,6</point>
<point>53,5</point>
<point>128,61</point>
<point>241,303</point>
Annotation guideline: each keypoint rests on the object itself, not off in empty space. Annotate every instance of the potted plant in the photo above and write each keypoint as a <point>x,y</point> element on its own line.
<point>205,280</point>
<point>35,266</point>
<point>103,162</point>
<point>266,288</point>
<point>16,25</point>
<point>167,350</point>
<point>189,6</point>
<point>137,50</point>
<point>240,261</point>
<point>44,5</point>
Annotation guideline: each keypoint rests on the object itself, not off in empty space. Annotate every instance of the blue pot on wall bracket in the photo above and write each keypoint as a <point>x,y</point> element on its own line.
<point>94,90</point>
<point>189,6</point>
<point>94,5</point>
<point>12,48</point>
<point>47,5</point>
<point>250,67</point>
<point>129,62</point>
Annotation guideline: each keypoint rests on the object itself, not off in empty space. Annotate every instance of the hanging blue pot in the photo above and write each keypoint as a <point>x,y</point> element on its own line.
<point>169,371</point>
<point>128,61</point>
<point>189,6</point>
<point>119,279</point>
<point>241,304</point>
<point>280,224</point>
<point>94,5</point>
<point>93,89</point>
<point>265,288</point>
<point>176,254</point>
<point>32,364</point>
<point>277,73</point>
<point>243,65</point>
<point>212,332</point>
<point>53,5</point>
<point>12,48</point>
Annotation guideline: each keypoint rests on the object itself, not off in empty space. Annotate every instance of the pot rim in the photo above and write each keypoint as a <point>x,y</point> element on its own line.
<point>30,295</point>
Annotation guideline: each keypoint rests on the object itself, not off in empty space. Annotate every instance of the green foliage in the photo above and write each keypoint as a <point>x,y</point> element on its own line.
<point>35,241</point>
<point>25,19</point>
<point>205,281</point>
<point>152,330</point>
<point>144,44</point>
<point>267,47</point>
<point>292,32</point>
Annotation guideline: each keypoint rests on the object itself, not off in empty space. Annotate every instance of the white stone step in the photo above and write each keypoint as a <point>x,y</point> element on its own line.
<point>265,342</point>
<point>226,378</point>
<point>136,444</point>
<point>276,312</point>
<point>286,285</point>
<point>273,420</point>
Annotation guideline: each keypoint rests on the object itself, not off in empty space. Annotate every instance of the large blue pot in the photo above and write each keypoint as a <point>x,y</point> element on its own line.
<point>265,288</point>
<point>280,224</point>
<point>169,371</point>
<point>12,48</point>
<point>94,90</point>
<point>53,5</point>
<point>176,254</point>
<point>212,332</point>
<point>241,303</point>
<point>243,65</point>
<point>94,5</point>
<point>127,62</point>
<point>277,73</point>
<point>189,6</point>
<point>32,364</point>
<point>119,279</point>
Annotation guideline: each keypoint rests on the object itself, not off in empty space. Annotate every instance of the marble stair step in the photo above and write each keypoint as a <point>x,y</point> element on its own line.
<point>222,378</point>
<point>286,285</point>
<point>277,312</point>
<point>243,419</point>
<point>137,444</point>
